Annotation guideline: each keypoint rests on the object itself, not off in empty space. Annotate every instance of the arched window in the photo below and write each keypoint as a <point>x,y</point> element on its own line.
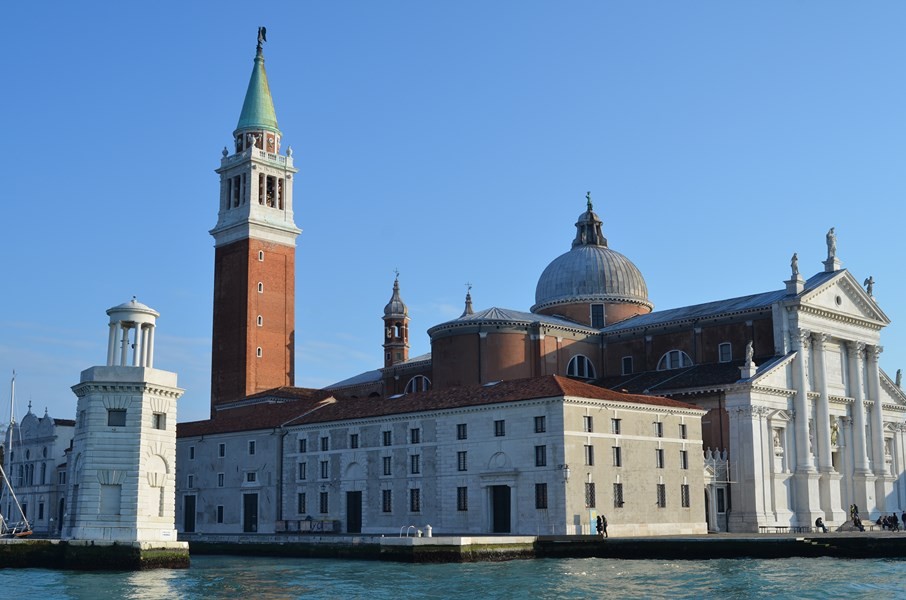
<point>260,287</point>
<point>258,352</point>
<point>580,366</point>
<point>419,383</point>
<point>674,359</point>
<point>261,255</point>
<point>260,320</point>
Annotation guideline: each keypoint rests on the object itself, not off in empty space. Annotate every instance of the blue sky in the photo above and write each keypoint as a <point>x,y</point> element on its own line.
<point>454,141</point>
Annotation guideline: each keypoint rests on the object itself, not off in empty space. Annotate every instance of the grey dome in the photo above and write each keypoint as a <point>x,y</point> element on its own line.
<point>590,272</point>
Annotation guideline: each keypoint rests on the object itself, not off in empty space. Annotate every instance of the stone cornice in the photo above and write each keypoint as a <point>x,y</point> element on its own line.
<point>840,318</point>
<point>83,389</point>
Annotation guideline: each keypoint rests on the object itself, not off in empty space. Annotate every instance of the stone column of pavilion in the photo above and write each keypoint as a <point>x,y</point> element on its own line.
<point>829,483</point>
<point>863,480</point>
<point>883,481</point>
<point>122,464</point>
<point>806,477</point>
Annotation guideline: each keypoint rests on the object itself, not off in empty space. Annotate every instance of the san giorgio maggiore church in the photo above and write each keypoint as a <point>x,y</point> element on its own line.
<point>768,409</point>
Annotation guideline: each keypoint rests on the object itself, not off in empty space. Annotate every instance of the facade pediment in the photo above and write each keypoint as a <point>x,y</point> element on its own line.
<point>842,298</point>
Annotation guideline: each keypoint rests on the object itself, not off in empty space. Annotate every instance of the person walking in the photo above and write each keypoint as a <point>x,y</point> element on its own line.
<point>604,524</point>
<point>599,525</point>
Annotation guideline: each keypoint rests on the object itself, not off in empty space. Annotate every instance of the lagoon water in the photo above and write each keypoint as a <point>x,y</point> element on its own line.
<point>266,578</point>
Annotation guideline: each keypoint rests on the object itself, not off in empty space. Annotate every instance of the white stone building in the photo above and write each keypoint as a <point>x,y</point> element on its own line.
<point>533,456</point>
<point>121,474</point>
<point>36,466</point>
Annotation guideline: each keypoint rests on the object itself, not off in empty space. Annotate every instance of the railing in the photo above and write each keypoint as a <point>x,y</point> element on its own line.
<point>407,528</point>
<point>228,160</point>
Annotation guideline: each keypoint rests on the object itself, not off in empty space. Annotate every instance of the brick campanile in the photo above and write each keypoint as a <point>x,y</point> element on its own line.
<point>254,256</point>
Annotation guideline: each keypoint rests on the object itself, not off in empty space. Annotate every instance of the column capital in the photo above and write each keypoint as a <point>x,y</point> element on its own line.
<point>802,337</point>
<point>856,346</point>
<point>819,338</point>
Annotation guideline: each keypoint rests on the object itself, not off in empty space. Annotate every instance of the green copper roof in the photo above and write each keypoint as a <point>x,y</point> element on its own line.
<point>258,108</point>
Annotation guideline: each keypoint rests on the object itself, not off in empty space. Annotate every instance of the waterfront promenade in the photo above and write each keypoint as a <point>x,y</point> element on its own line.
<point>854,545</point>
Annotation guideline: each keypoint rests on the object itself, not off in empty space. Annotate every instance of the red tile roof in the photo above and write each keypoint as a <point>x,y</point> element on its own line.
<point>319,406</point>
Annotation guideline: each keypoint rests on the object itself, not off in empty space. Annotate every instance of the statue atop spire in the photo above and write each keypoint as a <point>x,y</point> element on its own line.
<point>262,37</point>
<point>588,227</point>
<point>468,310</point>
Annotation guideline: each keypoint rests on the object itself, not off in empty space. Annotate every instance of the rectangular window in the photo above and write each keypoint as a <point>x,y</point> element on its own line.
<point>116,417</point>
<point>627,365</point>
<point>221,450</point>
<point>721,500</point>
<point>589,455</point>
<point>590,495</point>
<point>540,424</point>
<point>251,447</point>
<point>191,481</point>
<point>415,436</point>
<point>387,501</point>
<point>588,425</point>
<point>618,495</point>
<point>499,428</point>
<point>354,441</point>
<point>220,480</point>
<point>220,513</point>
<point>682,431</point>
<point>540,456</point>
<point>415,464</point>
<point>61,478</point>
<point>617,456</point>
<point>461,431</point>
<point>597,316</point>
<point>461,461</point>
<point>159,421</point>
<point>303,445</point>
<point>300,504</point>
<point>251,477</point>
<point>659,458</point>
<point>191,452</point>
<point>40,511</point>
<point>415,500</point>
<point>724,352</point>
<point>540,495</point>
<point>388,465</point>
<point>661,495</point>
<point>325,444</point>
<point>303,470</point>
<point>684,495</point>
<point>462,498</point>
<point>387,438</point>
<point>659,429</point>
<point>683,459</point>
<point>325,469</point>
<point>323,503</point>
<point>615,426</point>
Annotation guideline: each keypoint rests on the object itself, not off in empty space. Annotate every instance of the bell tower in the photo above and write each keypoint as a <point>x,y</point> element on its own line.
<point>254,256</point>
<point>396,328</point>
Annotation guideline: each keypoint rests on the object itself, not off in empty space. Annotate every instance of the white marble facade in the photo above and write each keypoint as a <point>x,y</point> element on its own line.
<point>821,427</point>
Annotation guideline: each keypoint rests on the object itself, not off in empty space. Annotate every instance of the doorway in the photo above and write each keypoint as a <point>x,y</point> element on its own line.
<point>188,514</point>
<point>500,509</point>
<point>353,512</point>
<point>250,513</point>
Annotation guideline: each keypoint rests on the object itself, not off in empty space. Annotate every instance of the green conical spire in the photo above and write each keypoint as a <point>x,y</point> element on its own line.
<point>258,108</point>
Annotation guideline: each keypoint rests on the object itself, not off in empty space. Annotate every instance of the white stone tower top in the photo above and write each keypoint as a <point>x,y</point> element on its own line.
<point>131,327</point>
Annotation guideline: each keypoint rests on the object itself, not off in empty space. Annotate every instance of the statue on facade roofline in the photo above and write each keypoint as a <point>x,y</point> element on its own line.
<point>750,353</point>
<point>899,377</point>
<point>794,265</point>
<point>869,285</point>
<point>831,244</point>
